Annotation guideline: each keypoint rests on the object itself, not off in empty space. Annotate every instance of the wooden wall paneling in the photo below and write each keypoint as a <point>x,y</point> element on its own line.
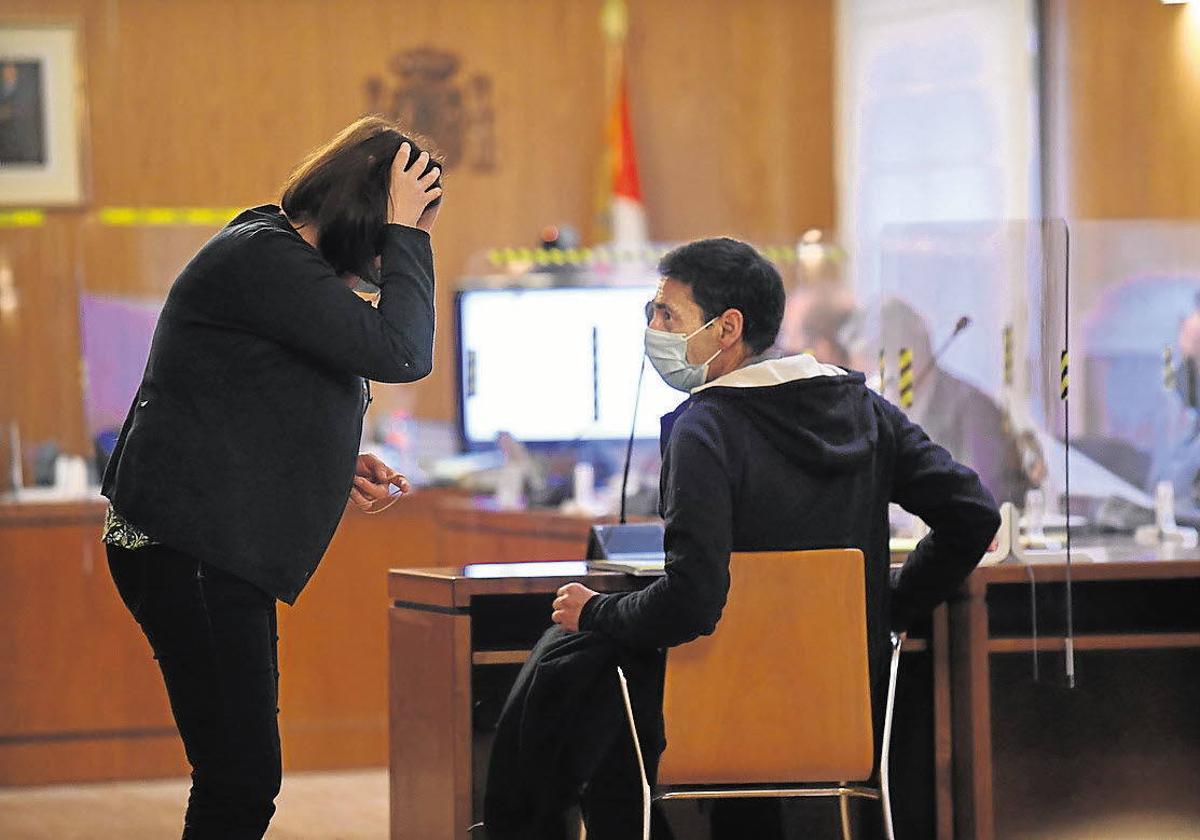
<point>137,262</point>
<point>519,548</point>
<point>1132,125</point>
<point>333,642</point>
<point>458,547</point>
<point>210,103</point>
<point>459,540</point>
<point>469,534</point>
<point>229,142</point>
<point>39,342</point>
<point>733,116</point>
<point>70,630</point>
<point>82,697</point>
<point>490,546</point>
<point>149,755</point>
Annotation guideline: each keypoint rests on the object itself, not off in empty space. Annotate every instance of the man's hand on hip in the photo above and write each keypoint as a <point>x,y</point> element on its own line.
<point>569,604</point>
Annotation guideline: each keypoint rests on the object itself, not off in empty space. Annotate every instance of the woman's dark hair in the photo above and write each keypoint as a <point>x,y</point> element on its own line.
<point>726,274</point>
<point>342,188</point>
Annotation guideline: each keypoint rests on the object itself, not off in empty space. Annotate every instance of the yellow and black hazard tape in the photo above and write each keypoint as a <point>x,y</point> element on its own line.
<point>132,217</point>
<point>523,258</point>
<point>906,378</point>
<point>779,253</point>
<point>1063,373</point>
<point>553,256</point>
<point>23,218</point>
<point>166,216</point>
<point>1008,355</point>
<point>1168,368</point>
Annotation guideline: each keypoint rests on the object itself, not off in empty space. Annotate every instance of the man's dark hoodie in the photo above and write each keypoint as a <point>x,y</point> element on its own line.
<point>780,455</point>
<point>790,454</point>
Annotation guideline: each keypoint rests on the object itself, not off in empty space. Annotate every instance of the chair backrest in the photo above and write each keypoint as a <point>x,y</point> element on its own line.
<point>780,692</point>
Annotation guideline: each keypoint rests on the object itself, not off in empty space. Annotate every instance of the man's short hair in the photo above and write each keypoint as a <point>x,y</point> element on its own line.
<point>724,273</point>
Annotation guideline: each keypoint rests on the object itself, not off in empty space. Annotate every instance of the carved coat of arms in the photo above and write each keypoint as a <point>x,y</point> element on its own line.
<point>427,97</point>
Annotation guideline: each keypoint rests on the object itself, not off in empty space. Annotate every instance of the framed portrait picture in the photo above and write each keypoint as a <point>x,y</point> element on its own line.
<point>41,114</point>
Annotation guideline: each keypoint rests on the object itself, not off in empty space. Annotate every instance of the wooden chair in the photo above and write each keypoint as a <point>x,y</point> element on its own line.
<point>777,702</point>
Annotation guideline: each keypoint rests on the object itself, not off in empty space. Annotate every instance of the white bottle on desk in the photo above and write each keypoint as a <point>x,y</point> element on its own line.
<point>585,486</point>
<point>1165,530</point>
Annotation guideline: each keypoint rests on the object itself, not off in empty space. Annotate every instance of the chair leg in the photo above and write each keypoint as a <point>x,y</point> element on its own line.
<point>637,749</point>
<point>844,809</point>
<point>885,793</point>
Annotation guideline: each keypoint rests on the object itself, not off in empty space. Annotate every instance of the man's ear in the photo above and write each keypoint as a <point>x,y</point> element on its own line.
<point>731,324</point>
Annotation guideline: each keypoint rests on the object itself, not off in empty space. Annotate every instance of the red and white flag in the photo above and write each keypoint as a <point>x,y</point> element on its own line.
<point>626,213</point>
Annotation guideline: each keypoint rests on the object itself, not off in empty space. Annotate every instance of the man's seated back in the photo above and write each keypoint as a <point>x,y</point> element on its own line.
<point>772,454</point>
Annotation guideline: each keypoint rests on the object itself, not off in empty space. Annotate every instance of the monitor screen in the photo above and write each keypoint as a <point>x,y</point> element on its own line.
<point>556,365</point>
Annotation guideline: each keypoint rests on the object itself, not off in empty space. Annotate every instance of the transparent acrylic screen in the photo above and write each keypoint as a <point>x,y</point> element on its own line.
<point>969,329</point>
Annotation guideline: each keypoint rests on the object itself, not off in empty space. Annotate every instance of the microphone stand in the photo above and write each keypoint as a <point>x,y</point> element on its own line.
<point>962,324</point>
<point>637,398</point>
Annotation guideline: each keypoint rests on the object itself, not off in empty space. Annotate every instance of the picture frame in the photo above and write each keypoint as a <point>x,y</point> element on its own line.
<point>41,114</point>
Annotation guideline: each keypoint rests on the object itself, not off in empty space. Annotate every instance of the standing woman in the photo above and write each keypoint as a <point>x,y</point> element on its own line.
<point>236,460</point>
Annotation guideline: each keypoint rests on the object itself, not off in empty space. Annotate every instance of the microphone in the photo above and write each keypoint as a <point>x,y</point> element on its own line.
<point>635,549</point>
<point>638,549</point>
<point>962,323</point>
<point>637,398</point>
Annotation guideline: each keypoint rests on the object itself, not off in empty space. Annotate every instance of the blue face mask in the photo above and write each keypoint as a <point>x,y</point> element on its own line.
<point>667,351</point>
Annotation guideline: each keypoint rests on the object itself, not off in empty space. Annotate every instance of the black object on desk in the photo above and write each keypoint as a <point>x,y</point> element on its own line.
<point>636,548</point>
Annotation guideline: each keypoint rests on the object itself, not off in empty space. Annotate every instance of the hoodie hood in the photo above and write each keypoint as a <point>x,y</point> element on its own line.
<point>818,416</point>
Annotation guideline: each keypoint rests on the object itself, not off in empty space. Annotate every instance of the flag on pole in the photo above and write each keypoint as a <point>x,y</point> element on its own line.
<point>626,215</point>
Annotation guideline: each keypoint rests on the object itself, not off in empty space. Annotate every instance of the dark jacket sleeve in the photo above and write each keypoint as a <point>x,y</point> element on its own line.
<point>697,508</point>
<point>290,294</point>
<point>958,509</point>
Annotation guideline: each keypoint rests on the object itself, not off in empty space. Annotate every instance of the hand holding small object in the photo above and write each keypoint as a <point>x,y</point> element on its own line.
<point>373,481</point>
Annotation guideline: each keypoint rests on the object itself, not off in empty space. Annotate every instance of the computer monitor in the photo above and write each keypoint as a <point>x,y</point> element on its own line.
<point>556,365</point>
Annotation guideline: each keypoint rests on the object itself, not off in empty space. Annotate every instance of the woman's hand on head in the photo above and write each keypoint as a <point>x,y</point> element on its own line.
<point>427,219</point>
<point>411,193</point>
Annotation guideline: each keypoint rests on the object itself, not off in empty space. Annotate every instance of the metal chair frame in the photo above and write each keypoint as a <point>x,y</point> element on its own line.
<point>843,791</point>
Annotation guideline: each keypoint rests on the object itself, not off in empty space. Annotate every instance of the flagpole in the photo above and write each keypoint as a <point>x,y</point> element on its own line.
<point>614,25</point>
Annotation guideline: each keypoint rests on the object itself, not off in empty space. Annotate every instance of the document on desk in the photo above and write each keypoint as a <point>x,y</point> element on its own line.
<point>631,564</point>
<point>650,564</point>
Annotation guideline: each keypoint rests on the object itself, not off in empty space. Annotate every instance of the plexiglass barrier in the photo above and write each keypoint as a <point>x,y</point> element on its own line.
<point>1057,360</point>
<point>968,332</point>
<point>1135,327</point>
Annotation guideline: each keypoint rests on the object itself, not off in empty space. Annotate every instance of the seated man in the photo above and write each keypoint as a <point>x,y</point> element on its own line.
<point>766,454</point>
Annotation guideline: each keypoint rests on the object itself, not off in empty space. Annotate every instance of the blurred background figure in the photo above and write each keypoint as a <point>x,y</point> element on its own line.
<point>955,413</point>
<point>1176,455</point>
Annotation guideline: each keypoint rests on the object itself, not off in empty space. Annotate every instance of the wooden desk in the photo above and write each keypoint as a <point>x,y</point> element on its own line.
<point>446,622</point>
<point>82,700</point>
<point>437,632</point>
<point>80,696</point>
<point>1142,602</point>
